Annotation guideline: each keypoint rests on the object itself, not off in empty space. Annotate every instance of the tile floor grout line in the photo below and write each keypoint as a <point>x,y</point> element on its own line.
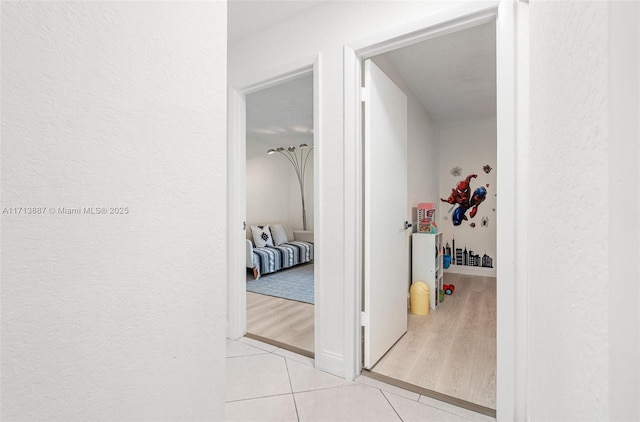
<point>438,407</point>
<point>353,383</point>
<point>447,411</point>
<point>244,356</point>
<point>293,396</point>
<point>394,409</point>
<point>252,344</point>
<point>259,397</point>
<point>331,388</point>
<point>395,394</point>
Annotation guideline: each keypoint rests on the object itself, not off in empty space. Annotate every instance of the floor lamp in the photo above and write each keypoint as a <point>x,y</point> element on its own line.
<point>299,163</point>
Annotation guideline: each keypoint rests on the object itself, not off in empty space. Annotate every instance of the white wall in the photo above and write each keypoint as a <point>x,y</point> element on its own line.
<point>469,145</point>
<point>574,251</point>
<point>273,191</point>
<point>113,317</point>
<point>268,187</point>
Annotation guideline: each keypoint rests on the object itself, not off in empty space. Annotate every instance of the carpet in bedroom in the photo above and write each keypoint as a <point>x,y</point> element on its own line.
<point>295,283</point>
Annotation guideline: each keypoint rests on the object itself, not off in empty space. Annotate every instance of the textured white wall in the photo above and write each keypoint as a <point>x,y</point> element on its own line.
<point>569,274</point>
<point>469,145</point>
<point>113,317</point>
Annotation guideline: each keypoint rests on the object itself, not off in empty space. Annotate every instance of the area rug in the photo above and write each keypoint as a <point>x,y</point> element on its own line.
<point>295,283</point>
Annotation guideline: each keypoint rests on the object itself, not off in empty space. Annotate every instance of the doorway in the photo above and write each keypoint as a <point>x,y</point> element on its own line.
<point>279,214</point>
<point>511,52</point>
<point>237,197</point>
<point>450,86</point>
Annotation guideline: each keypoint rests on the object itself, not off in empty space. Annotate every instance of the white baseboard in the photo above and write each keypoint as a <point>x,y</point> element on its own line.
<point>330,362</point>
<point>468,270</point>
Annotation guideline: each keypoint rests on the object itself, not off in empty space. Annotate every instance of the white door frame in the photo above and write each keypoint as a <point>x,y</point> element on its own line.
<point>511,19</point>
<point>236,189</point>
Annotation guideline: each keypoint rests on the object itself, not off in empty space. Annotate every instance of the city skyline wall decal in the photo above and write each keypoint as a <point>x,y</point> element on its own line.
<point>466,257</point>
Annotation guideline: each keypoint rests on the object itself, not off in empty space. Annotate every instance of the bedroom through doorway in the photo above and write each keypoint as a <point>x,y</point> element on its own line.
<point>280,214</point>
<point>450,83</point>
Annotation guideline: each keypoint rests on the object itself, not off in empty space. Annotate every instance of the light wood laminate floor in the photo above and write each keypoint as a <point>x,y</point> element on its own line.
<point>453,349</point>
<point>284,321</point>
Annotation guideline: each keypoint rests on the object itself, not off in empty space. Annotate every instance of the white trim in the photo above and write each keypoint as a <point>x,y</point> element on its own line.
<point>512,180</point>
<point>275,76</point>
<point>236,191</point>
<point>353,228</point>
<point>624,229</point>
<point>323,358</point>
<point>236,205</point>
<point>512,202</point>
<point>522,202</point>
<point>441,23</point>
<point>471,270</point>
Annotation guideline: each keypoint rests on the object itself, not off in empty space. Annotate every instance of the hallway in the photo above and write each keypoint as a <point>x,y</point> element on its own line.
<point>265,383</point>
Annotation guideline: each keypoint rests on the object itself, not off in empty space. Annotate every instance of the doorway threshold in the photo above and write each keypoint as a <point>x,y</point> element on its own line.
<point>281,345</point>
<point>430,393</point>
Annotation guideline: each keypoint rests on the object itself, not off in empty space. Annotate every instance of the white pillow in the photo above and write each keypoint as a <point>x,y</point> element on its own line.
<point>261,236</point>
<point>279,235</point>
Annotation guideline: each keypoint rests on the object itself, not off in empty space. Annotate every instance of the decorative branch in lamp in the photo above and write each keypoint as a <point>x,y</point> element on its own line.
<point>299,163</point>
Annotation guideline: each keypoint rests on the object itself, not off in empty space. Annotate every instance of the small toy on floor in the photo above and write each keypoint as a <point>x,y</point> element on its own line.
<point>448,288</point>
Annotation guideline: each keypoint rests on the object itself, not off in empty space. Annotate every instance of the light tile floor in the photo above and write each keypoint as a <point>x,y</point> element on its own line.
<point>265,383</point>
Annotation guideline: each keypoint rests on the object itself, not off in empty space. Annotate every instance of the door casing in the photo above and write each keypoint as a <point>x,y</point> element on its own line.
<point>511,18</point>
<point>236,191</point>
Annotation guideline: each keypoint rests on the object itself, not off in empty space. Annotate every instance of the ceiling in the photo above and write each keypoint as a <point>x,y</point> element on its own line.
<point>452,76</point>
<point>282,114</point>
